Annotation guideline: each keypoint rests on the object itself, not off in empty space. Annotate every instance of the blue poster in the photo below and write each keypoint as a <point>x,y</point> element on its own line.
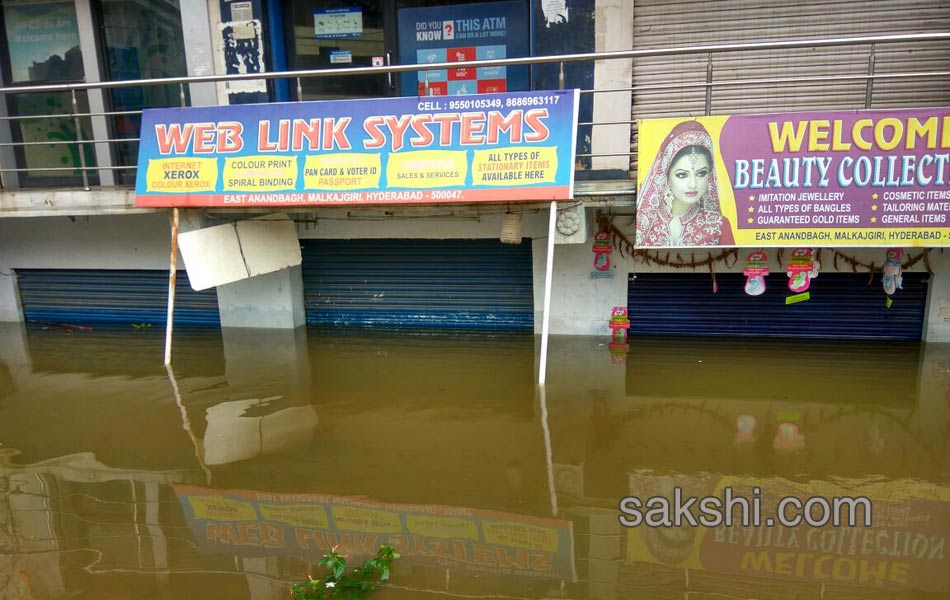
<point>459,33</point>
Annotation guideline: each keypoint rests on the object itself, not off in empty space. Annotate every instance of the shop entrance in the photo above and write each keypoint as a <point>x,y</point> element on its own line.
<point>844,306</point>
<point>338,34</point>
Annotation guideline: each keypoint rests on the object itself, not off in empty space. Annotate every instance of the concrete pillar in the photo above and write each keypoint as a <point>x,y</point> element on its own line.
<point>613,30</point>
<point>10,308</point>
<point>196,33</point>
<point>931,422</point>
<point>15,361</point>
<point>580,304</point>
<point>937,328</point>
<point>273,300</point>
<point>281,354</point>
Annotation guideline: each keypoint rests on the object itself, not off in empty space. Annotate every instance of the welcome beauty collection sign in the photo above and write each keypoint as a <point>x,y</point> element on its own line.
<point>861,178</point>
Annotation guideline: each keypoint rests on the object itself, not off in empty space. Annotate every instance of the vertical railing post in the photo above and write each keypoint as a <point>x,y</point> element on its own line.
<point>425,83</point>
<point>869,92</point>
<point>560,77</point>
<point>299,91</point>
<point>182,102</point>
<point>79,142</point>
<point>709,79</point>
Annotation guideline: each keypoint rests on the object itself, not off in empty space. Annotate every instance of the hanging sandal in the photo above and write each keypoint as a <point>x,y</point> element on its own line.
<point>756,268</point>
<point>801,268</point>
<point>892,277</point>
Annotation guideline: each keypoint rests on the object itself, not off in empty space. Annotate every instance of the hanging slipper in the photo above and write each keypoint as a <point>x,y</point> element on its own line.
<point>756,268</point>
<point>892,270</point>
<point>800,268</point>
<point>602,250</point>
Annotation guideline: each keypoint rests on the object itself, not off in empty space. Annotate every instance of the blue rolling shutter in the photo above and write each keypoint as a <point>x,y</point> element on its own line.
<point>842,306</point>
<point>121,297</point>
<point>418,284</point>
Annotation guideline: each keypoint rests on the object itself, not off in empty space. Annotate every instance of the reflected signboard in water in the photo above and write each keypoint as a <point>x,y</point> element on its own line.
<point>252,524</point>
<point>903,549</point>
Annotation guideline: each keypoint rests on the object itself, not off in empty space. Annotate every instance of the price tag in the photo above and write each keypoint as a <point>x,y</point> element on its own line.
<point>798,298</point>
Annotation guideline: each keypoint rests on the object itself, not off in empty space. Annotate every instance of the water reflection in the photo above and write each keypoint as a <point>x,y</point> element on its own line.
<point>231,477</point>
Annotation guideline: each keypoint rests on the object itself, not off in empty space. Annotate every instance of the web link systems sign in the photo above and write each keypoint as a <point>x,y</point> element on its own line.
<point>479,148</point>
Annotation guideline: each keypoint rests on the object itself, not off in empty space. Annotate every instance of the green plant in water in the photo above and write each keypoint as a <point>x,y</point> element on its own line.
<point>344,584</point>
<point>141,326</point>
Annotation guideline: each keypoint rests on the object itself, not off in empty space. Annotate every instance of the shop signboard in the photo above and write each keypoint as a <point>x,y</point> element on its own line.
<point>875,178</point>
<point>481,148</point>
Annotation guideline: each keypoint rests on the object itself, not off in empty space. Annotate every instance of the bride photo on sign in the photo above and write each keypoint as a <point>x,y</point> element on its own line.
<point>678,204</point>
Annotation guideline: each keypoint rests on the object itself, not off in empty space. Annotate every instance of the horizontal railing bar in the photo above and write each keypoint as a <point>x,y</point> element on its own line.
<point>631,122</point>
<point>68,142</point>
<point>12,170</point>
<point>803,79</point>
<point>70,115</point>
<point>607,91</point>
<point>102,168</point>
<point>648,87</point>
<point>506,62</point>
<point>49,143</point>
<point>594,154</point>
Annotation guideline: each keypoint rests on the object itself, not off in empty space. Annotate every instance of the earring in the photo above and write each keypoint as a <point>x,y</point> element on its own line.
<point>668,199</point>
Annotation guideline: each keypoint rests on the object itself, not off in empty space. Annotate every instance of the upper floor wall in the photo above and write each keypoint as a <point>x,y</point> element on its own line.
<point>70,133</point>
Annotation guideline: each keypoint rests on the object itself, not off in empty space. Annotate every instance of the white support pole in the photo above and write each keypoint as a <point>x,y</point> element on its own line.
<point>548,453</point>
<point>186,424</point>
<point>172,277</point>
<point>546,316</point>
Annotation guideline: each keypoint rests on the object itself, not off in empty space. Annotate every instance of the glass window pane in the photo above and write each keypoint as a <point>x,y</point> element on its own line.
<point>57,134</point>
<point>42,41</point>
<point>143,40</point>
<point>332,34</point>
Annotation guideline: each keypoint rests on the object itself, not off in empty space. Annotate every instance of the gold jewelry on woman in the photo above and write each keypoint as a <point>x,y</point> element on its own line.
<point>668,199</point>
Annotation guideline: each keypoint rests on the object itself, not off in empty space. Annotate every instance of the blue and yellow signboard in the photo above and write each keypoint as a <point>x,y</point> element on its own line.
<point>480,148</point>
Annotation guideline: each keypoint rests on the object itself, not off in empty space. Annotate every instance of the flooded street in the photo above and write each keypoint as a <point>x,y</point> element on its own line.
<point>233,477</point>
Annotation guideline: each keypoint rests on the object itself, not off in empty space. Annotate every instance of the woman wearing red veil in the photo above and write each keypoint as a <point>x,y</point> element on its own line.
<point>678,205</point>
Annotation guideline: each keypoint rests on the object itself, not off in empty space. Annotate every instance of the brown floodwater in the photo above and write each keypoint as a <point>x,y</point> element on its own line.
<point>234,474</point>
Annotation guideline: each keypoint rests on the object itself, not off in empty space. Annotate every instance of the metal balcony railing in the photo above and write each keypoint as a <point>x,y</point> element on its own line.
<point>103,144</point>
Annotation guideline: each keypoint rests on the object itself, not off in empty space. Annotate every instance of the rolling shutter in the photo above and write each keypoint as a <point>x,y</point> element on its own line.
<point>842,306</point>
<point>665,24</point>
<point>418,284</point>
<point>83,297</point>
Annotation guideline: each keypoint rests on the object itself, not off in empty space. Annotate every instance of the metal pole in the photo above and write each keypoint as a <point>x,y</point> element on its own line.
<point>79,144</point>
<point>172,277</point>
<point>546,316</point>
<point>869,92</point>
<point>709,78</point>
